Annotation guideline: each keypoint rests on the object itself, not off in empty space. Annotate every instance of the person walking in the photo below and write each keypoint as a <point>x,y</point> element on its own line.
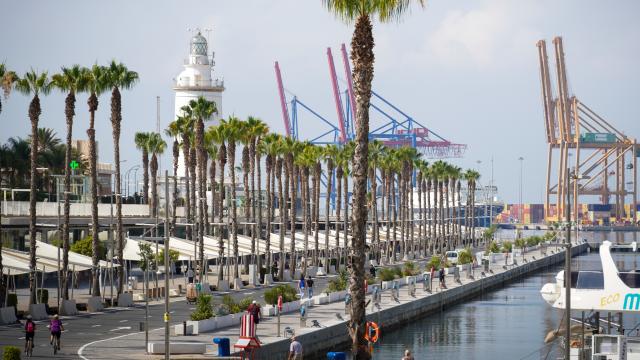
<point>407,355</point>
<point>254,309</point>
<point>30,332</point>
<point>295,349</point>
<point>310,286</point>
<point>56,328</point>
<point>301,286</point>
<point>190,276</point>
<point>441,275</point>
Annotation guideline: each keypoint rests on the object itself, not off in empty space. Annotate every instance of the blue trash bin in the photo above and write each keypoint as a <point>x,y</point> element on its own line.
<point>224,348</point>
<point>336,356</point>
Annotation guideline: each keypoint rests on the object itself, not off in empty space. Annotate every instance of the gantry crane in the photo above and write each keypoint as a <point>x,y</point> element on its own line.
<point>601,153</point>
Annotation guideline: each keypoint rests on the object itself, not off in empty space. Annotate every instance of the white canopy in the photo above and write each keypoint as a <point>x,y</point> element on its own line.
<point>13,265</point>
<point>22,258</point>
<point>48,251</point>
<point>131,250</point>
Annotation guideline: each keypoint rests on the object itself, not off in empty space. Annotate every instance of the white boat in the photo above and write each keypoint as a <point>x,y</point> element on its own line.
<point>606,290</point>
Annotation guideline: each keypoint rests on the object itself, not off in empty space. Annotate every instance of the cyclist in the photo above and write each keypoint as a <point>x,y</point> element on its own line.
<point>56,329</point>
<point>30,331</point>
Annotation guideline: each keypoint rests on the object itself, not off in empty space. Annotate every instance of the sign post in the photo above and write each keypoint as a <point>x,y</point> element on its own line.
<point>279,311</point>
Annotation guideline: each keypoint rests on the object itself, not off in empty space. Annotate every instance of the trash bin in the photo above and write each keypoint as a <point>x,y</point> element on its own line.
<point>224,348</point>
<point>336,356</point>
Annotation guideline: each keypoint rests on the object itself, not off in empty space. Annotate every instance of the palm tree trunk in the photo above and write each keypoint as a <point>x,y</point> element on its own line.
<point>231,149</point>
<point>267,247</point>
<point>201,164</point>
<point>363,59</point>
<point>327,213</point>
<point>255,198</point>
<point>431,233</point>
<point>339,175</point>
<point>387,186</point>
<point>174,203</point>
<point>305,216</point>
<point>214,204</point>
<point>441,216</point>
<point>247,204</point>
<point>91,133</point>
<point>411,217</point>
<point>34,116</point>
<point>293,184</point>
<point>395,217</point>
<point>186,150</point>
<point>401,188</point>
<point>116,120</point>
<point>145,175</point>
<point>222,159</point>
<point>420,215</point>
<point>70,104</point>
<point>282,211</point>
<point>193,158</point>
<point>316,215</point>
<point>345,218</point>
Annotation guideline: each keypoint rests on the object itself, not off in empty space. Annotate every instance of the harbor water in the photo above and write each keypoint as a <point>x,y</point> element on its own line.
<point>505,323</point>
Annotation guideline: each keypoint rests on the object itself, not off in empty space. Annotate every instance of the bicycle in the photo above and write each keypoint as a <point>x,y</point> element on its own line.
<point>56,343</point>
<point>29,347</point>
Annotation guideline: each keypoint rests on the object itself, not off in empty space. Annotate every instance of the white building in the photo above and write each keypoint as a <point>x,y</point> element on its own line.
<point>197,80</point>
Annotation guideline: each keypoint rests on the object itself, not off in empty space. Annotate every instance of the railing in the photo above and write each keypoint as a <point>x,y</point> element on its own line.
<point>21,208</point>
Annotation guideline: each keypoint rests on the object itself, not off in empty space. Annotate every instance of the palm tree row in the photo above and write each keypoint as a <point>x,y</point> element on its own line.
<point>71,81</point>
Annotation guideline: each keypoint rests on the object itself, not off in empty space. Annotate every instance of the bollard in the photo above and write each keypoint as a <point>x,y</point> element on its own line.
<point>184,328</point>
<point>303,316</point>
<point>141,326</point>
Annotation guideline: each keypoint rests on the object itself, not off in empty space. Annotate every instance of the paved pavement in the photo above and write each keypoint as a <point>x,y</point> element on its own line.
<point>132,345</point>
<point>85,328</point>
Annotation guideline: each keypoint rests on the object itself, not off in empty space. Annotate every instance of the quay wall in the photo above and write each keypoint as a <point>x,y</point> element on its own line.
<point>320,341</point>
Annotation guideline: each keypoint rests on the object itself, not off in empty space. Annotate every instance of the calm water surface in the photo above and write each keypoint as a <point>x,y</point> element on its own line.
<point>507,323</point>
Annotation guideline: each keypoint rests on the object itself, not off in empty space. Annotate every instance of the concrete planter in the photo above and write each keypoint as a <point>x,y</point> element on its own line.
<point>268,311</point>
<point>449,270</point>
<point>410,279</point>
<point>8,315</point>
<point>332,269</point>
<point>496,258</point>
<point>321,299</point>
<point>387,285</point>
<point>312,271</point>
<point>291,306</point>
<point>286,276</point>
<point>337,296</point>
<point>464,267</point>
<point>321,271</point>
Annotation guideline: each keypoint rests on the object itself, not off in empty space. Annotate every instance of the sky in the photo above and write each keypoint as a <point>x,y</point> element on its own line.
<point>466,69</point>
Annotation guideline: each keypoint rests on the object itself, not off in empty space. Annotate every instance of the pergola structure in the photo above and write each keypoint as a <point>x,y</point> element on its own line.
<point>601,153</point>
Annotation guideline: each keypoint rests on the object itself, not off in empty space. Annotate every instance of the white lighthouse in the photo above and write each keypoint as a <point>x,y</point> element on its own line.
<point>197,79</point>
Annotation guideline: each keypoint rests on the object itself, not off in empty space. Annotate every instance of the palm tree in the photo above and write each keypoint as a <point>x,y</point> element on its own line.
<point>33,84</point>
<point>201,110</point>
<point>438,172</point>
<point>317,173</point>
<point>156,146</point>
<point>69,80</point>
<point>472,177</point>
<point>269,147</point>
<point>217,135</point>
<point>329,153</point>
<point>290,149</point>
<point>257,129</point>
<point>173,131</point>
<point>232,128</point>
<point>211,146</point>
<point>245,140</point>
<point>346,157</point>
<point>7,78</point>
<point>376,150</point>
<point>362,12</point>
<point>455,175</point>
<point>141,139</point>
<point>118,77</point>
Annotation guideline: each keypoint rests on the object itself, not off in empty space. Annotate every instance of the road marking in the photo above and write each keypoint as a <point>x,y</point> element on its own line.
<point>95,342</point>
<point>122,321</point>
<point>171,312</point>
<point>121,328</point>
<point>21,338</point>
<point>97,325</point>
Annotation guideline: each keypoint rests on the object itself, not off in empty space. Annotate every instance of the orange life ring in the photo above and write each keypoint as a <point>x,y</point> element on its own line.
<point>371,326</point>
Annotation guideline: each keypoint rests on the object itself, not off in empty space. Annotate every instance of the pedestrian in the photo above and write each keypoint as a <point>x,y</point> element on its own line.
<point>433,272</point>
<point>30,332</point>
<point>254,309</point>
<point>310,286</point>
<point>295,349</point>
<point>301,286</point>
<point>407,355</point>
<point>190,276</point>
<point>441,275</point>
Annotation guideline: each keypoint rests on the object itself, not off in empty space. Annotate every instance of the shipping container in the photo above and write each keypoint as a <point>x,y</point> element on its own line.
<point>599,207</point>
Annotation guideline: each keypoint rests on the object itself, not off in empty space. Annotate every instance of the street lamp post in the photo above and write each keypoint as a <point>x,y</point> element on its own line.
<point>166,265</point>
<point>521,210</point>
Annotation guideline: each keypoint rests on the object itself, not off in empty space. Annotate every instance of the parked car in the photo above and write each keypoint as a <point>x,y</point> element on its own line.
<point>452,256</point>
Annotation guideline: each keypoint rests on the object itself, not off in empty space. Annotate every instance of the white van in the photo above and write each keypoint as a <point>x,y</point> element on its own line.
<point>452,256</point>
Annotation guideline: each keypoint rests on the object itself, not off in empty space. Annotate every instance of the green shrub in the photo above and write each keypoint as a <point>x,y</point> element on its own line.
<point>244,303</point>
<point>233,306</point>
<point>409,269</point>
<point>287,292</point>
<point>397,271</point>
<point>11,353</point>
<point>520,243</point>
<point>386,274</point>
<point>12,300</point>
<point>43,296</point>
<point>203,309</point>
<point>465,256</point>
<point>434,263</point>
<point>507,246</point>
<point>492,247</point>
<point>533,241</point>
<point>339,283</point>
<point>549,236</point>
<point>85,247</point>
<point>173,256</point>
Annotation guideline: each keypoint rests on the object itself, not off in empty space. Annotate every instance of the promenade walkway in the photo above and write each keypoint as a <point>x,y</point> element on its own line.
<point>331,317</point>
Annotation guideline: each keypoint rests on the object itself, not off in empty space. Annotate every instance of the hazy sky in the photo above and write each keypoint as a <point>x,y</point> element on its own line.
<point>466,69</point>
